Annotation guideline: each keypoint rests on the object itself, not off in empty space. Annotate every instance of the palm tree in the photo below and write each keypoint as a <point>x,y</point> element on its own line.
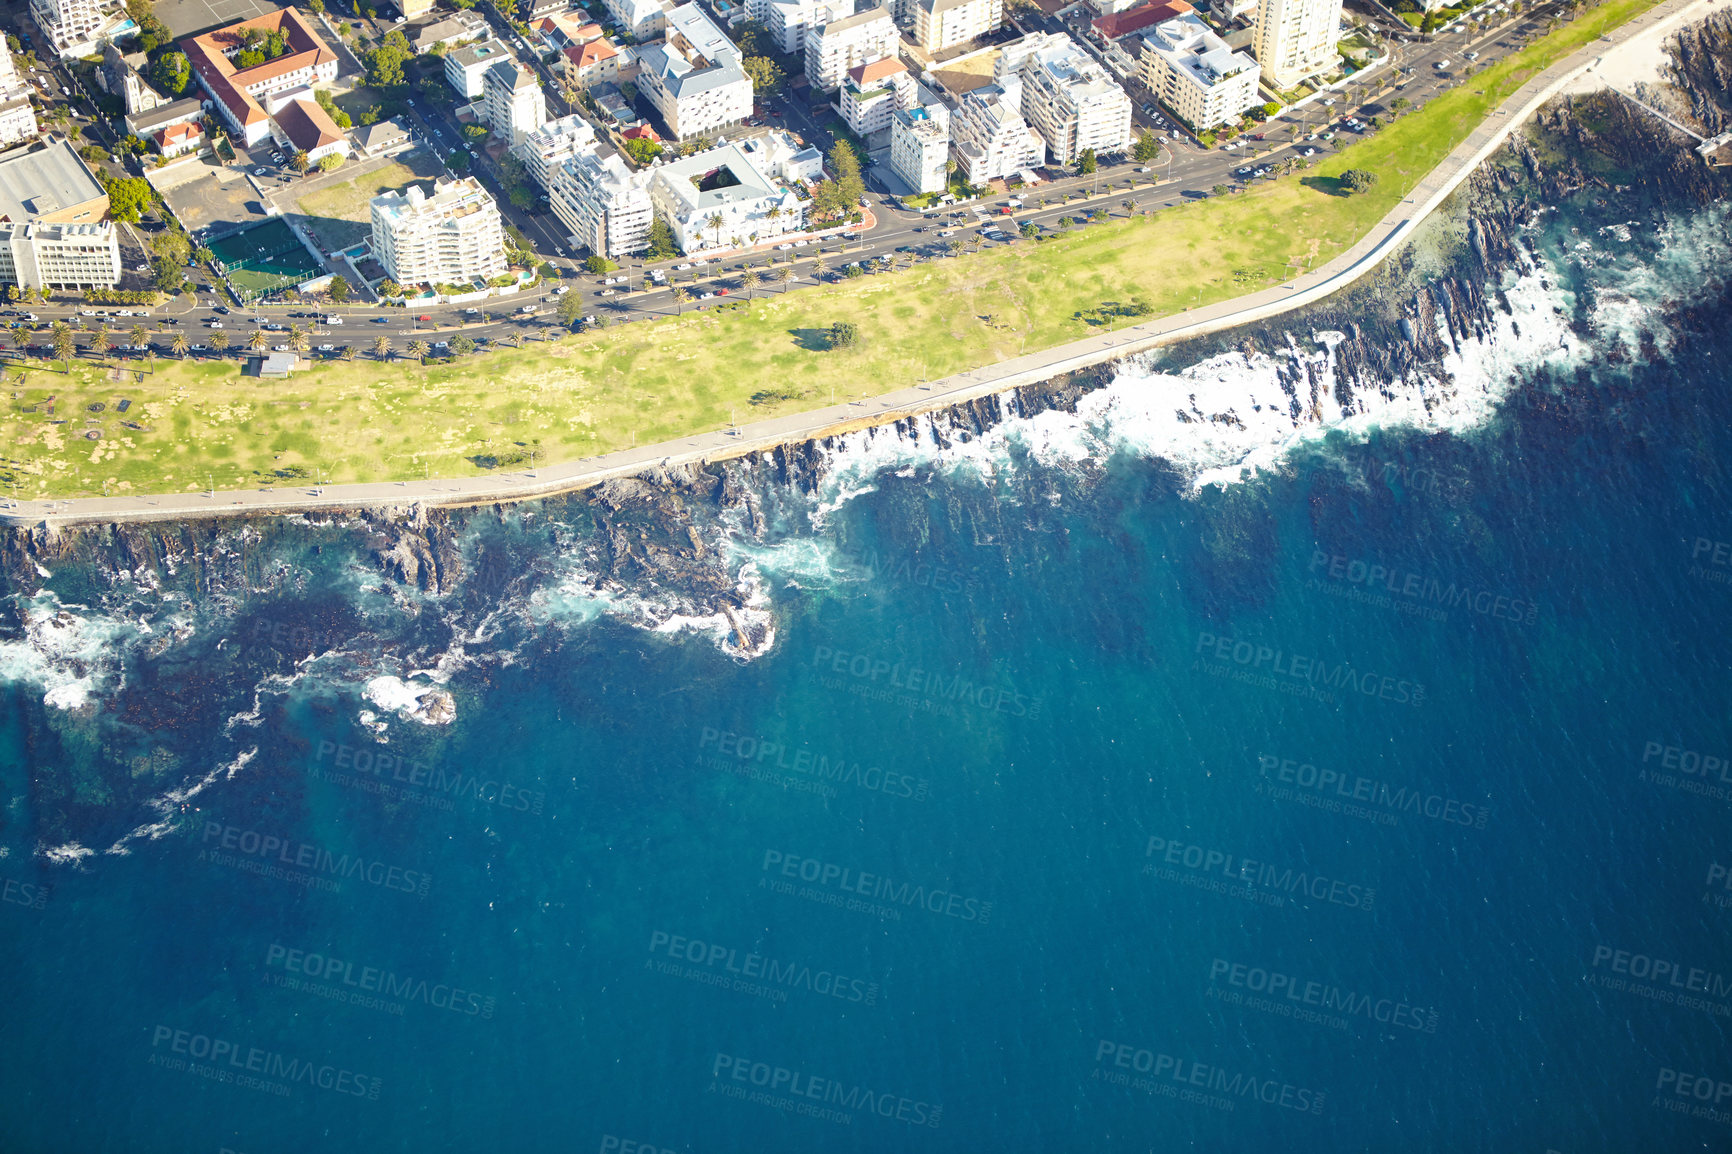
<point>681,296</point>
<point>63,345</point>
<point>1128,205</point>
<point>819,264</point>
<point>177,344</point>
<point>219,341</point>
<point>954,246</point>
<point>258,341</point>
<point>715,221</point>
<point>381,347</point>
<point>140,335</point>
<point>774,213</point>
<point>418,349</point>
<point>99,342</point>
<point>783,276</point>
<point>298,339</point>
<point>750,279</point>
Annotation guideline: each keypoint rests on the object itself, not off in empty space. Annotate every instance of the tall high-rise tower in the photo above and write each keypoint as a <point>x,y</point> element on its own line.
<point>1296,39</point>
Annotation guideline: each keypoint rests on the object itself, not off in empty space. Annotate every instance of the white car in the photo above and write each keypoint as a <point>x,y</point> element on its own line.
<point>561,290</point>
<point>681,267</point>
<point>783,247</point>
<point>705,296</point>
<point>280,348</point>
<point>333,320</point>
<point>216,324</point>
<point>87,312</point>
<point>326,348</point>
<point>124,313</point>
<point>471,312</point>
<point>799,244</point>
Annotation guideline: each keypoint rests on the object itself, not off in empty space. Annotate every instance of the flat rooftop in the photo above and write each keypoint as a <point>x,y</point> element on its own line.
<point>33,184</point>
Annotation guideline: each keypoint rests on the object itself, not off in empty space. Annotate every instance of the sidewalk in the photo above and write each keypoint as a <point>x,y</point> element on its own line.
<point>760,436</point>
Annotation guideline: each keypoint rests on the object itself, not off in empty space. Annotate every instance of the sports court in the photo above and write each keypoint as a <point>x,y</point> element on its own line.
<point>264,258</point>
<point>185,17</point>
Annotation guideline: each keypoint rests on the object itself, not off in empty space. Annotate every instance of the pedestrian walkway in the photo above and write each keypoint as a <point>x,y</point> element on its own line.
<point>1337,274</point>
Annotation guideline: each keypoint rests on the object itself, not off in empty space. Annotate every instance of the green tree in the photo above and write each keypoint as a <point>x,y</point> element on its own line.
<point>570,307</point>
<point>316,7</point>
<point>258,341</point>
<point>661,241</point>
<point>128,197</point>
<point>330,162</point>
<point>845,164</point>
<point>171,72</point>
<point>139,336</point>
<point>418,348</point>
<point>681,296</point>
<point>458,161</point>
<point>599,265</point>
<point>715,222</point>
<point>385,65</point>
<point>1086,164</point>
<point>249,58</point>
<point>462,345</point>
<point>765,74</point>
<point>1146,148</point>
<point>178,343</point>
<point>63,346</point>
<point>389,288</point>
<point>642,150</point>
<point>339,288</point>
<point>99,343</point>
<point>298,338</point>
<point>1358,180</point>
<point>219,341</point>
<point>382,347</point>
<point>298,161</point>
<point>844,334</point>
<point>750,279</point>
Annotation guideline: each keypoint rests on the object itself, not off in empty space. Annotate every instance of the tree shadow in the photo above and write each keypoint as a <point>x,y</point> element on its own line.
<point>812,340</point>
<point>1328,185</point>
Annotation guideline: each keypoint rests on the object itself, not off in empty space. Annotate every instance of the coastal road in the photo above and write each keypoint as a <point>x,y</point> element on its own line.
<point>1384,239</point>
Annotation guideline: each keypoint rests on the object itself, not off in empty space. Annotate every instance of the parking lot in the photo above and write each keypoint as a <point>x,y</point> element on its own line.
<point>211,196</point>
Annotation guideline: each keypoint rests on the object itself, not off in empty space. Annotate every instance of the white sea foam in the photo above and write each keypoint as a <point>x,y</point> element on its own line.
<point>70,652</point>
<point>427,704</point>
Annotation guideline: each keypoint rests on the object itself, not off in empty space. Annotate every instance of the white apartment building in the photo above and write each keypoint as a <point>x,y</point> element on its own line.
<point>550,146</point>
<point>1070,100</point>
<point>726,197</point>
<point>59,256</point>
<point>693,76</point>
<point>17,117</point>
<point>1195,74</point>
<point>1295,39</point>
<point>940,24</point>
<point>641,19</point>
<point>920,147</point>
<point>466,69</point>
<point>511,102</point>
<point>849,42</point>
<point>74,27</point>
<point>875,91</point>
<point>604,205</point>
<point>789,22</point>
<point>989,137</point>
<point>452,237</point>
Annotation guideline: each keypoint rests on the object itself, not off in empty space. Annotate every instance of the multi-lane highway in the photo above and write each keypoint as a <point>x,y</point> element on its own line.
<point>1121,187</point>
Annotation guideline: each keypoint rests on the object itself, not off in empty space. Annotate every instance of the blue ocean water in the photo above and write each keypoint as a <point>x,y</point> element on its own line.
<point>1174,774</point>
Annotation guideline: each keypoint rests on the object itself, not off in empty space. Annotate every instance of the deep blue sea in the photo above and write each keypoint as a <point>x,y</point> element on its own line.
<point>1208,769</point>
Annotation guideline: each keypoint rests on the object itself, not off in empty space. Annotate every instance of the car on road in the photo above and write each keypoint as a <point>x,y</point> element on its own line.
<point>381,320</point>
<point>279,348</point>
<point>466,312</point>
<point>216,324</point>
<point>333,320</point>
<point>705,296</point>
<point>222,310</point>
<point>783,247</point>
<point>681,267</point>
<point>327,348</point>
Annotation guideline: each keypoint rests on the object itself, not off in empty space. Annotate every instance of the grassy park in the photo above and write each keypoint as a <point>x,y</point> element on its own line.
<point>190,424</point>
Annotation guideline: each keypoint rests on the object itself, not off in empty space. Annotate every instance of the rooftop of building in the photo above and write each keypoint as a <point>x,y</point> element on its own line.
<point>866,74</point>
<point>147,123</point>
<point>40,181</point>
<point>307,125</point>
<point>590,53</point>
<point>847,23</point>
<point>453,198</point>
<point>385,131</point>
<point>209,56</point>
<point>1193,47</point>
<point>440,31</point>
<point>689,23</point>
<point>1117,24</point>
<point>934,7</point>
<point>512,76</point>
<point>718,176</point>
<point>487,52</point>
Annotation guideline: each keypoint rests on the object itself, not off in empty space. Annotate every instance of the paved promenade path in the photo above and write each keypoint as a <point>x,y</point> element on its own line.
<point>1306,289</point>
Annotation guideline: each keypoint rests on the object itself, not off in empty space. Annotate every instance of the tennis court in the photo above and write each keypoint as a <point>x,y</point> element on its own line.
<point>263,259</point>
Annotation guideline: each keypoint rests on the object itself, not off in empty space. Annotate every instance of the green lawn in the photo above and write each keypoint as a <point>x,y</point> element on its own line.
<point>650,381</point>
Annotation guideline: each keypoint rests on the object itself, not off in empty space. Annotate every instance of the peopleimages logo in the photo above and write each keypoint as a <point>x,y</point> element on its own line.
<point>1116,1061</point>
<point>379,772</point>
<point>876,887</point>
<point>762,753</point>
<point>1694,1095</point>
<point>1661,980</point>
<point>1412,593</point>
<point>924,687</point>
<point>780,1084</point>
<point>1302,777</point>
<point>1205,862</point>
<point>253,1067</point>
<point>754,973</point>
<point>1298,674</point>
<point>302,863</point>
<point>1711,561</point>
<point>1718,876</point>
<point>363,984</point>
<point>27,894</point>
<point>1321,997</point>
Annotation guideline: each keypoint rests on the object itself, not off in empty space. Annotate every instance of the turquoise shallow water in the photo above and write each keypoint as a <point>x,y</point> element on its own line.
<point>1379,803</point>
